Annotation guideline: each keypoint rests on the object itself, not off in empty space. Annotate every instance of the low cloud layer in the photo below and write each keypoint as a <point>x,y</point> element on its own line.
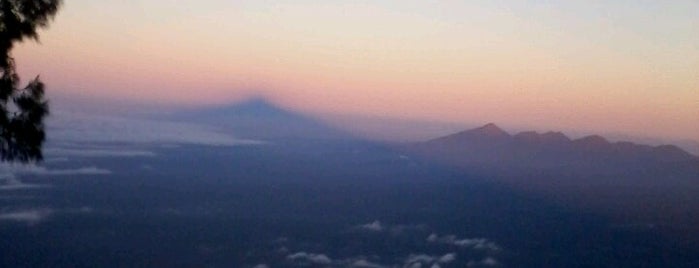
<point>310,258</point>
<point>397,229</point>
<point>10,170</point>
<point>362,263</point>
<point>77,127</point>
<point>434,251</point>
<point>373,226</point>
<point>9,174</point>
<point>30,217</point>
<point>487,262</point>
<point>34,216</point>
<point>104,152</point>
<point>302,258</point>
<point>474,243</point>
<point>8,183</point>
<point>418,260</point>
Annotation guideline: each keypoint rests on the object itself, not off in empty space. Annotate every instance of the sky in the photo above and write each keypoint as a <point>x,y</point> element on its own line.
<point>593,66</point>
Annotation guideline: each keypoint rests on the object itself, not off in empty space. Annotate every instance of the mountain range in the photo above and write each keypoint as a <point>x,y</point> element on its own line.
<point>490,144</point>
<point>491,150</point>
<point>627,181</point>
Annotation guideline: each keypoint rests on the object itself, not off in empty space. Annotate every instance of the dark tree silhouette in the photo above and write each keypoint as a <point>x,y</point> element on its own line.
<point>22,110</point>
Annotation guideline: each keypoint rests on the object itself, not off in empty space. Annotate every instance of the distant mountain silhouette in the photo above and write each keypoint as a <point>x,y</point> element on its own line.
<point>488,134</point>
<point>626,181</point>
<point>491,148</point>
<point>260,119</point>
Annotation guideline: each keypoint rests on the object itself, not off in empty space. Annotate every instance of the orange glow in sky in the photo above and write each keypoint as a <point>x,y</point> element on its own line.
<point>607,66</point>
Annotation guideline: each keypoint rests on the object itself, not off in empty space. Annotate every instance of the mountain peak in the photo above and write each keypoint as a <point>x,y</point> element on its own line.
<point>533,137</point>
<point>488,133</point>
<point>490,130</point>
<point>672,152</point>
<point>555,136</point>
<point>593,139</point>
<point>593,142</point>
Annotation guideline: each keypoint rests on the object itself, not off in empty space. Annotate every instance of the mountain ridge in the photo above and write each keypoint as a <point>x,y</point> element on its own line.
<point>493,134</point>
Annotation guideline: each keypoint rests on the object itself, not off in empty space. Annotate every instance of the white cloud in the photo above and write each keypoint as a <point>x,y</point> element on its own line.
<point>488,261</point>
<point>9,170</point>
<point>261,265</point>
<point>30,217</point>
<point>359,262</point>
<point>98,152</point>
<point>373,226</point>
<point>417,260</point>
<point>362,263</point>
<point>447,258</point>
<point>377,226</point>
<point>415,265</point>
<point>310,257</point>
<point>22,186</point>
<point>432,238</point>
<point>474,243</point>
<point>413,260</point>
<point>10,182</point>
<point>81,127</point>
<point>76,171</point>
<point>36,215</point>
<point>425,259</point>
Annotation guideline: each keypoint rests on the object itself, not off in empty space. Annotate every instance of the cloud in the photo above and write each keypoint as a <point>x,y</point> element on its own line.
<point>415,265</point>
<point>417,260</point>
<point>31,217</point>
<point>431,259</point>
<point>365,264</point>
<point>474,243</point>
<point>77,171</point>
<point>488,261</point>
<point>261,265</point>
<point>377,226</point>
<point>433,238</point>
<point>310,257</point>
<point>36,215</point>
<point>447,258</point>
<point>10,182</point>
<point>98,152</point>
<point>356,262</point>
<point>423,258</point>
<point>373,226</point>
<point>9,171</point>
<point>81,127</point>
<point>362,263</point>
<point>18,185</point>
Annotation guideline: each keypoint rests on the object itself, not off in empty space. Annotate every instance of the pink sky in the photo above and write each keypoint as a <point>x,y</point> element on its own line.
<point>628,67</point>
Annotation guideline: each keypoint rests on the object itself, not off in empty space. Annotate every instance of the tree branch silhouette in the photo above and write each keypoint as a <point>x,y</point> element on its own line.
<point>22,110</point>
